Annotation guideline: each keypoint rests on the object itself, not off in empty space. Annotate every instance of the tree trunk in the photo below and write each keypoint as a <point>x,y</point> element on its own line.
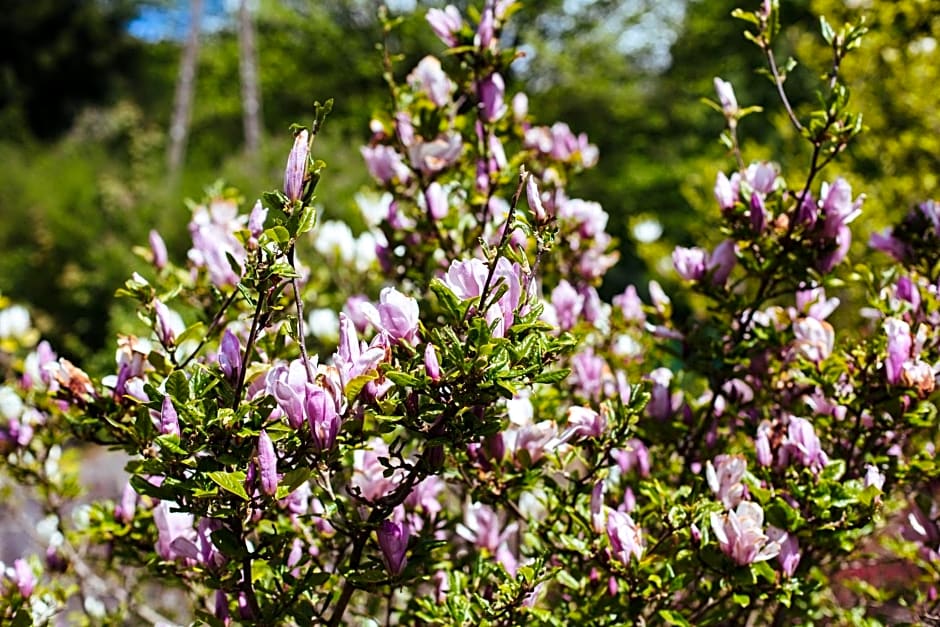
<point>185,90</point>
<point>251,96</point>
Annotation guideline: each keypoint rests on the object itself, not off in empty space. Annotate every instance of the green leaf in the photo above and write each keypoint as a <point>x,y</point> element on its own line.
<point>170,442</point>
<point>827,32</point>
<point>193,332</point>
<point>401,379</point>
<point>291,481</point>
<point>552,376</point>
<point>145,488</point>
<point>834,470</point>
<point>22,618</point>
<point>177,386</point>
<point>741,599</point>
<point>673,618</point>
<point>233,482</point>
<point>229,543</point>
<point>355,386</point>
<point>278,234</point>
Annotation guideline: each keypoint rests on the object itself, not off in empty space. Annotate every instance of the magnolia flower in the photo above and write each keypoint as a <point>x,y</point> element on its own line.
<point>814,339</point>
<point>429,77</point>
<point>393,540</point>
<point>741,535</point>
<point>169,419</point>
<point>874,477</point>
<point>230,356</point>
<point>296,168</point>
<point>385,164</point>
<point>267,463</point>
<point>323,417</point>
<point>900,343</point>
<point>789,557</point>
<point>396,315</point>
<point>431,365</point>
<point>176,536</point>
<point>626,539</point>
<point>633,455</point>
<point>729,104</point>
<point>585,422</point>
<point>491,92</point>
<point>802,444</point>
<point>157,250</point>
<point>726,190</point>
<point>724,478</point>
<point>689,262</point>
<point>435,199</point>
<point>446,23</point>
<point>484,528</point>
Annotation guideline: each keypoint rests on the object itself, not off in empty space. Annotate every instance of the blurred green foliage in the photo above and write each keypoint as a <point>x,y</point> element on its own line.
<point>84,109</point>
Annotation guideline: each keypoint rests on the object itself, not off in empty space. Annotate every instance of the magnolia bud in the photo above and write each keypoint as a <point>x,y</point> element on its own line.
<point>158,250</point>
<point>431,366</point>
<point>267,462</point>
<point>393,540</point>
<point>169,419</point>
<point>296,168</point>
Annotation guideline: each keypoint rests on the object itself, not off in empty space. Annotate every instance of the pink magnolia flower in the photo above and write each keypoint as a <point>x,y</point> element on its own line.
<point>213,231</point>
<point>491,92</point>
<point>814,339</point>
<point>323,417</point>
<point>874,477</point>
<point>396,315</point>
<point>296,168</point>
<point>431,365</point>
<point>393,540</point>
<point>721,261</point>
<point>267,463</point>
<point>435,155</point>
<point>741,535</point>
<point>801,444</point>
<point>467,278</point>
<point>633,455</point>
<point>157,250</point>
<point>761,177</point>
<point>585,422</point>
<point>169,419</point>
<point>689,262</point>
<point>484,528</point>
<point>626,538</point>
<point>726,190</point>
<point>230,356</point>
<point>446,23</point>
<point>900,343</point>
<point>23,577</point>
<point>430,78</point>
<point>385,164</point>
<point>729,104</point>
<point>724,478</point>
<point>789,556</point>
<point>176,537</point>
<point>435,200</point>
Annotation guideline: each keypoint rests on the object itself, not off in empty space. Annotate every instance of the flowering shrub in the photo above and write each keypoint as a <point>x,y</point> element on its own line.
<point>461,431</point>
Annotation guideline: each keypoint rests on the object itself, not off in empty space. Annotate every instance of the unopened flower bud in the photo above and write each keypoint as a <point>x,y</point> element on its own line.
<point>169,419</point>
<point>729,104</point>
<point>267,463</point>
<point>431,366</point>
<point>230,356</point>
<point>163,326</point>
<point>296,168</point>
<point>158,250</point>
<point>393,540</point>
<point>323,418</point>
